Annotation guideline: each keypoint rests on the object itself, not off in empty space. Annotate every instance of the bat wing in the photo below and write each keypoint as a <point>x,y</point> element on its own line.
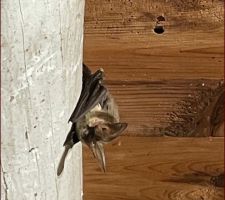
<point>86,72</point>
<point>71,139</point>
<point>93,93</point>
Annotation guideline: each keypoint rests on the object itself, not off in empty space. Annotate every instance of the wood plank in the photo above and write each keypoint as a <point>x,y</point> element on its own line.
<point>119,37</point>
<point>149,74</point>
<point>146,105</point>
<point>156,168</point>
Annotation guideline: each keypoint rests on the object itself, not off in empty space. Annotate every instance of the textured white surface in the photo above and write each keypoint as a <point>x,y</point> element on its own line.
<point>42,45</point>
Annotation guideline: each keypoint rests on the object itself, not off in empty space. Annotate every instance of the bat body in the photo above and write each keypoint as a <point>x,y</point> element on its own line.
<point>95,119</point>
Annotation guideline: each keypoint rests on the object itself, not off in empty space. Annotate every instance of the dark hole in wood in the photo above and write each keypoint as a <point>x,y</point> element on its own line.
<point>161,18</point>
<point>159,29</point>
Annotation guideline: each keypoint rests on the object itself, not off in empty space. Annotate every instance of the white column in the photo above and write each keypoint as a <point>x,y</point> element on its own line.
<point>41,63</point>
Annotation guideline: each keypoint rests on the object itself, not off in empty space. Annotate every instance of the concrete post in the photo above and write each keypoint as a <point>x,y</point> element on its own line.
<point>42,45</point>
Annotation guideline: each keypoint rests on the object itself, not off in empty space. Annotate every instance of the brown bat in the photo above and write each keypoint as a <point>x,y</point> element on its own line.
<point>95,119</point>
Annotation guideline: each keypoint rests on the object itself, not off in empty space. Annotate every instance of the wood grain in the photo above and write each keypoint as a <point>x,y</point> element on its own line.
<point>119,37</point>
<point>146,105</point>
<point>149,74</point>
<point>156,168</point>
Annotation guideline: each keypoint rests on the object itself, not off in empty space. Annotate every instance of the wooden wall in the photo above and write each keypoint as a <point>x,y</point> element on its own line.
<point>149,73</point>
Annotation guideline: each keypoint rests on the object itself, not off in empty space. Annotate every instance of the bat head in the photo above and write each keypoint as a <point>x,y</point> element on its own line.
<point>102,132</point>
<point>106,132</point>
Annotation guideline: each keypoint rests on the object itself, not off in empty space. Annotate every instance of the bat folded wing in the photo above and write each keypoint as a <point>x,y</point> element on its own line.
<point>93,93</point>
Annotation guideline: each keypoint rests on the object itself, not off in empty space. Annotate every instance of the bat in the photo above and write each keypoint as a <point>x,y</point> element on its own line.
<point>95,119</point>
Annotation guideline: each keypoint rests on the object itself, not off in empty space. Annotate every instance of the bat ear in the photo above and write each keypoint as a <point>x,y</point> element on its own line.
<point>108,132</point>
<point>98,151</point>
<point>117,128</point>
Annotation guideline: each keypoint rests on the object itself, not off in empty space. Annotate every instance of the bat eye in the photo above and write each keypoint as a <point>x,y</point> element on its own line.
<point>104,129</point>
